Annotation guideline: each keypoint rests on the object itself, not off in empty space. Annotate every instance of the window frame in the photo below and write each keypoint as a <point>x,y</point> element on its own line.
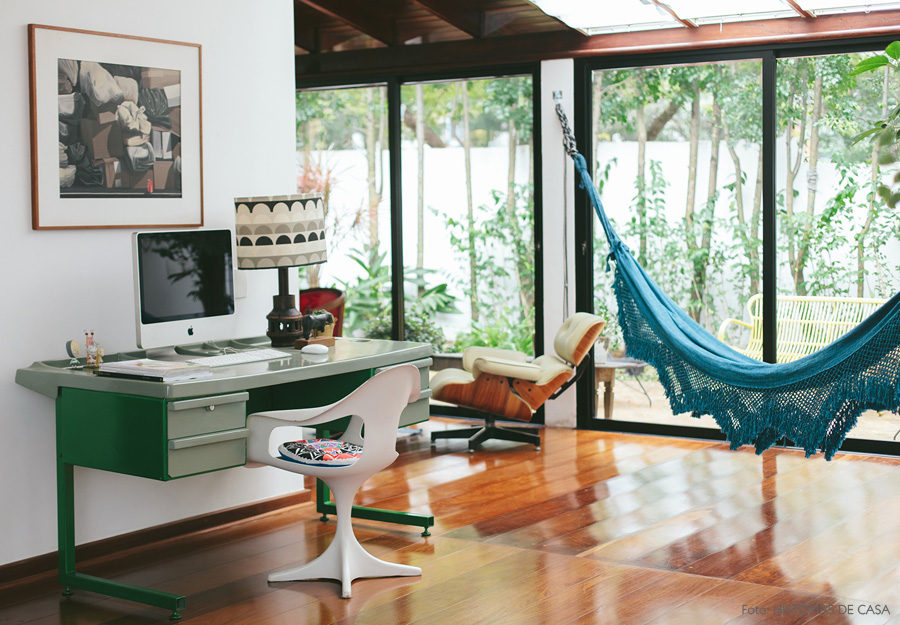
<point>394,82</point>
<point>769,54</point>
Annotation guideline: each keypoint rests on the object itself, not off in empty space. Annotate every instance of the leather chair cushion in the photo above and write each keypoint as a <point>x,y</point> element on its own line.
<point>576,336</point>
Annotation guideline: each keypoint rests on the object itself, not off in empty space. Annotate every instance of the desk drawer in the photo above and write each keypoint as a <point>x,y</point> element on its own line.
<point>417,411</point>
<point>423,365</point>
<point>207,452</point>
<point>215,413</point>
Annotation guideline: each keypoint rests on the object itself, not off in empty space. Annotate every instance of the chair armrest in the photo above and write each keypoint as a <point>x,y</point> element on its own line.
<point>723,329</point>
<point>507,368</point>
<point>470,354</point>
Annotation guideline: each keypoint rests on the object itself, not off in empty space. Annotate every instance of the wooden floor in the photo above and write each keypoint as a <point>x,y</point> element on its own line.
<point>595,528</point>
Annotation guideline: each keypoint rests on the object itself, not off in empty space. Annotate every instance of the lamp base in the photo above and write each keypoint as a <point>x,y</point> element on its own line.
<point>284,321</point>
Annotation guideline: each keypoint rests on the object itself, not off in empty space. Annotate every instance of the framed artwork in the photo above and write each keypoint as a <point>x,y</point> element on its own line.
<point>115,130</point>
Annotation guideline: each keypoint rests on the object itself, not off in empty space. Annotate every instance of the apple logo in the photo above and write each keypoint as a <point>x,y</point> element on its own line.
<point>190,330</point>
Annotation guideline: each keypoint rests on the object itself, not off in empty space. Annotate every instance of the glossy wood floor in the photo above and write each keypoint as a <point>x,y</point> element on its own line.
<point>595,528</point>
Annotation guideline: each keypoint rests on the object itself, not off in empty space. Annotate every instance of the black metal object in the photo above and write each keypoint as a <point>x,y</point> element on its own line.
<point>538,195</point>
<point>284,319</point>
<point>769,225</point>
<point>489,431</point>
<point>579,371</point>
<point>395,124</point>
<point>585,394</point>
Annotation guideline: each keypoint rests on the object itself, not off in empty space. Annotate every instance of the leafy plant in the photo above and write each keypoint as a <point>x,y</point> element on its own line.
<point>418,325</point>
<point>885,132</point>
<point>369,297</point>
<point>506,330</point>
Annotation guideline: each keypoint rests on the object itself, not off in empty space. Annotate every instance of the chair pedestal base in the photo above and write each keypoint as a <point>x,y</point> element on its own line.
<point>477,435</point>
<point>344,560</point>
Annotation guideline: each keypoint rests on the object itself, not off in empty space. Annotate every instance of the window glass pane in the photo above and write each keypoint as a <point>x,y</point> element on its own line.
<point>468,213</point>
<point>838,244</point>
<point>342,151</point>
<point>677,158</point>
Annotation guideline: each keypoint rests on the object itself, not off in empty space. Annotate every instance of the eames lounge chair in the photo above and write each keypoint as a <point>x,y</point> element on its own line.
<point>377,405</point>
<point>501,384</point>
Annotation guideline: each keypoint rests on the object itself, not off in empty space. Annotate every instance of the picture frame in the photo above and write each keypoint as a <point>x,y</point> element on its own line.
<point>116,130</point>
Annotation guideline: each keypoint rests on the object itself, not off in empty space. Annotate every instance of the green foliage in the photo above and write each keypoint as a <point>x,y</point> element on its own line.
<point>505,328</point>
<point>501,260</point>
<point>885,131</point>
<point>369,297</point>
<point>418,326</point>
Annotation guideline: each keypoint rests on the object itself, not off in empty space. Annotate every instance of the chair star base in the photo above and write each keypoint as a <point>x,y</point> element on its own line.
<point>490,431</point>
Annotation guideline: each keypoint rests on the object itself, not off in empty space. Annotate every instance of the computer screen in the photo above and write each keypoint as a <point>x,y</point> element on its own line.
<point>183,282</point>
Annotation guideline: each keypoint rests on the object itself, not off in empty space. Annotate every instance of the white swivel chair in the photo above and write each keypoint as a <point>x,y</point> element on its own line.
<point>377,405</point>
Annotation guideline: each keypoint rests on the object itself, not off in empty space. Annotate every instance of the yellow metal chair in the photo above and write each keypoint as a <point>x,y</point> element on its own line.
<point>806,324</point>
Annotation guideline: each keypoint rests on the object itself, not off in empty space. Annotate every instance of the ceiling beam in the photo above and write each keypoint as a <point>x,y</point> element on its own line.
<point>466,18</point>
<point>800,10</point>
<point>373,19</point>
<point>376,64</point>
<point>665,7</point>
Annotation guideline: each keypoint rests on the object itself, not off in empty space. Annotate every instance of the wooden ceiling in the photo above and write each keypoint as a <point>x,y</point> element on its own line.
<point>339,25</point>
<point>344,41</point>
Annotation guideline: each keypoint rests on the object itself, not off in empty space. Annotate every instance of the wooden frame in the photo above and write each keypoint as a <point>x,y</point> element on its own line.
<point>114,171</point>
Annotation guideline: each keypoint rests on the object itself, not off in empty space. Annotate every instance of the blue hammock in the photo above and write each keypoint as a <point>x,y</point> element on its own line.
<point>814,401</point>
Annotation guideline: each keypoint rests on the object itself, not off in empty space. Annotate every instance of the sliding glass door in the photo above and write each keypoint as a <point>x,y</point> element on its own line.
<point>838,240</point>
<point>695,153</point>
<point>468,212</point>
<point>676,152</point>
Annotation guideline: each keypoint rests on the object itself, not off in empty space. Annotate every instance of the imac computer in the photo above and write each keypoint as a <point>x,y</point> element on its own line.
<point>183,287</point>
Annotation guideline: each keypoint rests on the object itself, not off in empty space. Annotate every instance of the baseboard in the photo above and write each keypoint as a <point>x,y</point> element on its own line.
<point>45,564</point>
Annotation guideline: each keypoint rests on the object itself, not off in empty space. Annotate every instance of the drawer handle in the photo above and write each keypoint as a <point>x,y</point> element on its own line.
<point>210,408</point>
<point>209,402</point>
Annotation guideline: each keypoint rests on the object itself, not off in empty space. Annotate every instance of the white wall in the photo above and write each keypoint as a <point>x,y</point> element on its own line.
<point>559,212</point>
<point>54,284</point>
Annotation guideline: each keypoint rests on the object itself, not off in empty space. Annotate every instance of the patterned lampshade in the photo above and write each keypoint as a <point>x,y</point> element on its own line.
<point>280,231</point>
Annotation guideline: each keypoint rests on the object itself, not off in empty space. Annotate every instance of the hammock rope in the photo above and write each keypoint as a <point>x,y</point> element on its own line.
<point>814,401</point>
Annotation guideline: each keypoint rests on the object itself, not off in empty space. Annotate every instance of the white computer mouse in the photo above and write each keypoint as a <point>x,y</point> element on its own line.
<point>314,348</point>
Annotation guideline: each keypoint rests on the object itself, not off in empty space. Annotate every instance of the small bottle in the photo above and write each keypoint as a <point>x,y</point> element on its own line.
<point>90,349</point>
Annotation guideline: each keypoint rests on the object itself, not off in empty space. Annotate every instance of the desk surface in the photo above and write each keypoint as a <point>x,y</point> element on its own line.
<point>347,354</point>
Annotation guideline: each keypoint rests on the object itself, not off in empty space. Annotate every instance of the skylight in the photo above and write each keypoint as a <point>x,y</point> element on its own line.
<point>629,15</point>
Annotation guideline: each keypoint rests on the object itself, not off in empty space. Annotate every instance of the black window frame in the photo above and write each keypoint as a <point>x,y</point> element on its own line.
<point>394,82</point>
<point>584,221</point>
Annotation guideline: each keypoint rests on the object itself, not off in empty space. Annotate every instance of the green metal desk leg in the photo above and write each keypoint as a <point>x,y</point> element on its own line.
<point>68,577</point>
<point>325,506</point>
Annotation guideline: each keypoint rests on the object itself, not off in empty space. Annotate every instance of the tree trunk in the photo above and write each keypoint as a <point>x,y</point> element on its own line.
<point>641,183</point>
<point>743,226</point>
<point>420,202</point>
<point>873,198</point>
<point>470,209</point>
<point>791,169</point>
<point>597,110</point>
<point>692,244</point>
<point>657,125</point>
<point>701,260</point>
<point>372,157</point>
<point>755,217</point>
<point>811,180</point>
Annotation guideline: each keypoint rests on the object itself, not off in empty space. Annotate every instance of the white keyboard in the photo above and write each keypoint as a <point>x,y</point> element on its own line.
<point>238,358</point>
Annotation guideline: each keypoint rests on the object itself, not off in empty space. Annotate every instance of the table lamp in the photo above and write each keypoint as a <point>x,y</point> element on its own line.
<point>280,232</point>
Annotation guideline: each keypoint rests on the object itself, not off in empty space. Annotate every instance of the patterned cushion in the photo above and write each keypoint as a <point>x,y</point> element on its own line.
<point>321,452</point>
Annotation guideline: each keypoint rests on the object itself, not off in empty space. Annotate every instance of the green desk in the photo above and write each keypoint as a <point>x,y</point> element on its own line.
<point>197,426</point>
